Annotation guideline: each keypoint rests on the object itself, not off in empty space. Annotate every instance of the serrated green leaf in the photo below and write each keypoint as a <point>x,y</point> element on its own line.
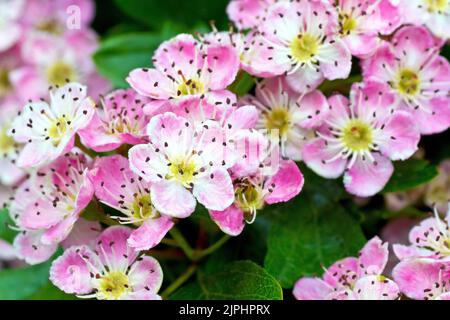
<point>410,174</point>
<point>240,280</point>
<point>311,231</point>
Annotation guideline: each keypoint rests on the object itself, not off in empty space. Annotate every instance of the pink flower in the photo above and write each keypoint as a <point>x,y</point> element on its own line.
<point>300,39</point>
<point>110,270</point>
<point>423,279</point>
<point>120,188</point>
<point>53,63</point>
<point>361,137</point>
<point>418,77</point>
<point>247,14</point>
<point>47,205</point>
<point>430,239</point>
<point>352,278</point>
<point>48,131</point>
<point>253,192</point>
<point>184,164</point>
<point>433,14</point>
<point>293,115</point>
<point>9,60</point>
<point>121,121</point>
<point>185,68</point>
<point>10,29</point>
<point>361,22</point>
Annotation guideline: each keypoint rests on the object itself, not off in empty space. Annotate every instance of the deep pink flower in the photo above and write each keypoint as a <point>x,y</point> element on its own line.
<point>247,14</point>
<point>433,14</point>
<point>47,205</point>
<point>430,239</point>
<point>423,279</point>
<point>120,188</point>
<point>361,136</point>
<point>361,22</point>
<point>110,270</point>
<point>253,192</point>
<point>185,68</point>
<point>411,66</point>
<point>352,278</point>
<point>292,114</point>
<point>120,121</point>
<point>300,39</point>
<point>184,164</point>
<point>48,130</point>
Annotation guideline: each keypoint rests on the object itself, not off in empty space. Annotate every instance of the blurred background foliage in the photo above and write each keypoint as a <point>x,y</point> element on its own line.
<point>287,241</point>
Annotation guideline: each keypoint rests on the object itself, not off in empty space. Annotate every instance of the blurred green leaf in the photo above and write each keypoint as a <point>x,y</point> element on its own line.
<point>119,54</point>
<point>155,13</point>
<point>50,292</point>
<point>311,231</point>
<point>410,174</point>
<point>6,233</point>
<point>240,280</point>
<point>243,84</point>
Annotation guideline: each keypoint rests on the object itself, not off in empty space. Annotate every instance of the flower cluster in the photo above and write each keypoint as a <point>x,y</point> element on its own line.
<point>108,174</point>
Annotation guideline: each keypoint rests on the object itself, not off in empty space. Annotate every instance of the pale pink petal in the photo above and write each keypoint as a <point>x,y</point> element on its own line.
<point>150,233</point>
<point>150,83</point>
<point>84,232</point>
<point>311,289</point>
<point>313,107</point>
<point>315,155</point>
<point>146,275</point>
<point>215,191</point>
<point>373,257</point>
<point>366,178</point>
<point>374,288</point>
<point>224,65</point>
<point>29,247</point>
<point>172,199</point>
<point>113,249</point>
<point>340,61</point>
<point>231,220</point>
<point>345,269</point>
<point>285,184</point>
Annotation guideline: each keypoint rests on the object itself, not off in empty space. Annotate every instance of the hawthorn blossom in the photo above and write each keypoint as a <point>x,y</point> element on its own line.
<point>247,14</point>
<point>360,137</point>
<point>430,239</point>
<point>47,205</point>
<point>251,193</point>
<point>55,62</point>
<point>10,28</point>
<point>300,39</point>
<point>121,121</point>
<point>10,174</point>
<point>361,22</point>
<point>433,14</point>
<point>120,188</point>
<point>292,115</point>
<point>423,279</point>
<point>185,68</point>
<point>48,130</point>
<point>418,77</point>
<point>184,164</point>
<point>110,270</point>
<point>352,278</point>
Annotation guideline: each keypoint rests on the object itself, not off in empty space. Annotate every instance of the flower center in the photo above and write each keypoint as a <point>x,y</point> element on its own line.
<point>280,119</point>
<point>142,208</point>
<point>347,23</point>
<point>58,129</point>
<point>183,171</point>
<point>249,197</point>
<point>6,142</point>
<point>114,285</point>
<point>59,72</point>
<point>5,84</point>
<point>190,87</point>
<point>49,26</point>
<point>408,82</point>
<point>357,135</point>
<point>304,47</point>
<point>436,5</point>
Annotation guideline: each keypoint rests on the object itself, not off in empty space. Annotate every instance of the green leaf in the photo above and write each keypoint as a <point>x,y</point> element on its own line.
<point>16,284</point>
<point>239,280</point>
<point>50,292</point>
<point>189,13</point>
<point>243,84</point>
<point>6,233</point>
<point>311,231</point>
<point>118,55</point>
<point>410,174</point>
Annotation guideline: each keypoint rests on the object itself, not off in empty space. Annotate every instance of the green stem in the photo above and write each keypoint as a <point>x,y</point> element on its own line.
<point>214,247</point>
<point>182,242</point>
<point>170,242</point>
<point>179,281</point>
<point>87,151</point>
